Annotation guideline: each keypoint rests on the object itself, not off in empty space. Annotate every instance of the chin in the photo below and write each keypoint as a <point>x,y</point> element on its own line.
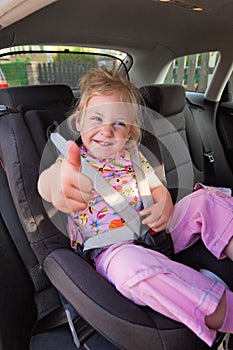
<point>101,154</point>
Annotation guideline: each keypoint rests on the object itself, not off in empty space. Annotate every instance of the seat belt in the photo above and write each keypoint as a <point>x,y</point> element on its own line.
<point>142,182</point>
<point>113,198</point>
<point>207,149</point>
<point>134,228</point>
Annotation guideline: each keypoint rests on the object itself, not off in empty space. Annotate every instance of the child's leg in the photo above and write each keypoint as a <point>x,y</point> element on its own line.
<point>206,212</point>
<point>149,278</point>
<point>229,249</point>
<point>216,319</point>
<point>228,320</point>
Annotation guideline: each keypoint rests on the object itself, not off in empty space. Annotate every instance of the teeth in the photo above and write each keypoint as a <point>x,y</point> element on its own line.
<point>104,143</point>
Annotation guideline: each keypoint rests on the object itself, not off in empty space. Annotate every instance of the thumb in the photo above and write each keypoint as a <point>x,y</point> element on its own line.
<point>73,154</point>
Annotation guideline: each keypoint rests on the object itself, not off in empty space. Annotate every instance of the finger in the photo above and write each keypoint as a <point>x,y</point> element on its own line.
<point>72,200</point>
<point>85,183</point>
<point>145,211</point>
<point>70,206</point>
<point>159,228</point>
<point>159,225</point>
<point>150,219</point>
<point>78,195</point>
<point>73,205</point>
<point>73,156</point>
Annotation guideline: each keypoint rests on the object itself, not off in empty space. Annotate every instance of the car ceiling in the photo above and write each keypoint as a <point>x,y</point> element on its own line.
<point>127,24</point>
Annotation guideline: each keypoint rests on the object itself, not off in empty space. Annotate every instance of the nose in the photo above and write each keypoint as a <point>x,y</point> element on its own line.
<point>107,130</point>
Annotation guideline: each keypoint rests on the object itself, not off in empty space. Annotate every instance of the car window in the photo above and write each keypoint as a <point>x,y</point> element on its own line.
<point>3,82</point>
<point>194,72</point>
<point>37,65</point>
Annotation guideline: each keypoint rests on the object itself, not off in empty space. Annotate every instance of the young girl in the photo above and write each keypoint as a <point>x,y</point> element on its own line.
<point>107,120</point>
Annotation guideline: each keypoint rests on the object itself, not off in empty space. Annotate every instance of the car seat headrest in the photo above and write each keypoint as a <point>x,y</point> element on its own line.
<point>38,96</point>
<point>166,99</point>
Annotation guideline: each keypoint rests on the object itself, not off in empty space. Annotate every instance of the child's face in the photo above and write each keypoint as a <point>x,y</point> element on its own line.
<point>105,125</point>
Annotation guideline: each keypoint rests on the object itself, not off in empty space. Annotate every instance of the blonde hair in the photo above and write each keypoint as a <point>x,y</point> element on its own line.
<point>100,81</point>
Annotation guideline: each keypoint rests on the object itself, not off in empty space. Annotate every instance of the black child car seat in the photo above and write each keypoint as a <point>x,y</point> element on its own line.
<point>23,127</point>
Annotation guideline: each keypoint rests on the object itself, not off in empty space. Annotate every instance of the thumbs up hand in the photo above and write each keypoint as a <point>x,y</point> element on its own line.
<point>76,187</point>
<point>64,185</point>
<point>73,154</point>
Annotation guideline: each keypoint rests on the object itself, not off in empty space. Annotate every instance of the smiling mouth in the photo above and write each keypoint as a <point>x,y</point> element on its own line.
<point>103,143</point>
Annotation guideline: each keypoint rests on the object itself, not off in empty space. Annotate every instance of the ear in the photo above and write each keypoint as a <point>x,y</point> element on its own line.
<point>77,122</point>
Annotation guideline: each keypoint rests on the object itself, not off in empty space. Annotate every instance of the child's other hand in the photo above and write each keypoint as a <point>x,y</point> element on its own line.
<point>158,215</point>
<point>71,190</point>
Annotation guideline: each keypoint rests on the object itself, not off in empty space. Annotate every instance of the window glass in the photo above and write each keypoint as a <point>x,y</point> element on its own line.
<point>39,65</point>
<point>194,72</point>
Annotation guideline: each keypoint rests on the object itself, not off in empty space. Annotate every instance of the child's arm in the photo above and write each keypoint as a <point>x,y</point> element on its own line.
<point>157,216</point>
<point>64,185</point>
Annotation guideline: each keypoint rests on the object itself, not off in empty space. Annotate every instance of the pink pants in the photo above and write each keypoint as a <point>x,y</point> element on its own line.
<point>173,289</point>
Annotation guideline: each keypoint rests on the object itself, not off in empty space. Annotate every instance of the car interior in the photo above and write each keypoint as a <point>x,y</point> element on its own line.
<point>50,297</point>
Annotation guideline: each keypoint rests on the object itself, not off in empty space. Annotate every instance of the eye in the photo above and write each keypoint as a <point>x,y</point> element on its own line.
<point>119,123</point>
<point>96,118</point>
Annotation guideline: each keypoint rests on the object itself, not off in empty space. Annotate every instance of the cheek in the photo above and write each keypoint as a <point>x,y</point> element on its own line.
<point>86,136</point>
<point>123,137</point>
<point>88,129</point>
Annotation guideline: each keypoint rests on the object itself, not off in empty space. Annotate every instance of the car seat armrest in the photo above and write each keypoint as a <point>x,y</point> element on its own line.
<point>88,292</point>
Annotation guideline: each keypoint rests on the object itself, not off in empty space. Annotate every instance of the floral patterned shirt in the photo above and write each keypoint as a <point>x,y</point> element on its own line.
<point>99,217</point>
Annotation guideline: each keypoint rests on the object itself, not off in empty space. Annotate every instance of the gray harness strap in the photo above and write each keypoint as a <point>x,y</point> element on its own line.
<point>123,233</point>
<point>113,198</point>
<point>134,228</point>
<point>142,182</point>
<point>143,185</point>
